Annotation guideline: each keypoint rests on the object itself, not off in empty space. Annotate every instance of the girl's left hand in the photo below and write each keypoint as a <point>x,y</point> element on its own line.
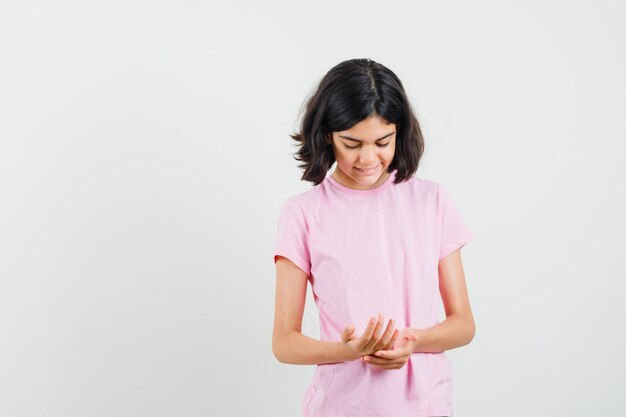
<point>399,354</point>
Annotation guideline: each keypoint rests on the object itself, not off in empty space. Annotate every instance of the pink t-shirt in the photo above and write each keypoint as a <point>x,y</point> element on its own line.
<point>367,251</point>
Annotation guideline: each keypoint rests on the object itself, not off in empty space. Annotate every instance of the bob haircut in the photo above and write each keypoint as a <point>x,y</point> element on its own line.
<point>349,93</point>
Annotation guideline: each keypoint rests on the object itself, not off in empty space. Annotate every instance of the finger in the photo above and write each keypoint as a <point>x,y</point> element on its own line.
<point>388,354</point>
<point>375,334</point>
<point>369,331</point>
<point>382,363</point>
<point>379,327</point>
<point>375,359</point>
<point>392,343</point>
<point>348,332</point>
<point>392,354</point>
<point>386,338</point>
<point>383,340</point>
<point>345,334</point>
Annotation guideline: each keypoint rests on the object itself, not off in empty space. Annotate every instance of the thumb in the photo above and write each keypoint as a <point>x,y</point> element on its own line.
<point>347,332</point>
<point>412,336</point>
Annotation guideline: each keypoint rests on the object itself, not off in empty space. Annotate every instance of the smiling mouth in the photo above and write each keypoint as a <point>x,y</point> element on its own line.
<point>368,169</point>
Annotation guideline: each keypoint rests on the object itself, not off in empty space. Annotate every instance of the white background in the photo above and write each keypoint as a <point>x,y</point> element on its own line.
<point>144,155</point>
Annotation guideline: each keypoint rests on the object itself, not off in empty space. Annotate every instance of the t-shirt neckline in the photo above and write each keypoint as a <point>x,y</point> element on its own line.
<point>369,191</point>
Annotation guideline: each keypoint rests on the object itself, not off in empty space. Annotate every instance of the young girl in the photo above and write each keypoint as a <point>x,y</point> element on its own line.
<point>370,238</point>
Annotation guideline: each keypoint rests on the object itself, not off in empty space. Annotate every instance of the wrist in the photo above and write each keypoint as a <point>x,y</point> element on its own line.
<point>345,353</point>
<point>417,343</point>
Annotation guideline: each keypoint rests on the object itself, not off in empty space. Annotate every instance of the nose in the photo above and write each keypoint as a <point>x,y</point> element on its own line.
<point>368,156</point>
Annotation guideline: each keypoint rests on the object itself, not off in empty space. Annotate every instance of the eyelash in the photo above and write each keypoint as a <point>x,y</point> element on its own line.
<point>354,147</point>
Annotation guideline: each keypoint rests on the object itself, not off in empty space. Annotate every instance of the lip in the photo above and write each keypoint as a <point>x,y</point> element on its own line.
<point>373,171</point>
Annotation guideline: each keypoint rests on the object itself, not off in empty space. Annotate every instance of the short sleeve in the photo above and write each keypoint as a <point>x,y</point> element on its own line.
<point>454,232</point>
<point>292,235</point>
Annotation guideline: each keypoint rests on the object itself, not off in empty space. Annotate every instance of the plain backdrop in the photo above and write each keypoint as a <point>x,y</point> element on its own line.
<point>145,153</point>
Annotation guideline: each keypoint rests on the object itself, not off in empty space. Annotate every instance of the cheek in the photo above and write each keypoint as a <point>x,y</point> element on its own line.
<point>348,157</point>
<point>387,154</point>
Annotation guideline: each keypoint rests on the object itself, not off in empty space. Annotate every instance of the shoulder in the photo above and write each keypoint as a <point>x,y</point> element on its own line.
<point>299,204</point>
<point>301,199</point>
<point>308,199</point>
<point>420,187</point>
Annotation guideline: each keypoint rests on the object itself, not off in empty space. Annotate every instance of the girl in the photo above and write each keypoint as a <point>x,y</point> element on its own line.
<point>370,237</point>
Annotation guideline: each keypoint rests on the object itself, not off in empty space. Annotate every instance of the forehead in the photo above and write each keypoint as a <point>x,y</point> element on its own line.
<point>371,129</point>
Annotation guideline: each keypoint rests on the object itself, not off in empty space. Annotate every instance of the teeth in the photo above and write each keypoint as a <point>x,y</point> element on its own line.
<point>368,170</point>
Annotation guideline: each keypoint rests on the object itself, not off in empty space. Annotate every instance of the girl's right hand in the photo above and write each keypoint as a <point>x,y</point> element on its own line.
<point>371,340</point>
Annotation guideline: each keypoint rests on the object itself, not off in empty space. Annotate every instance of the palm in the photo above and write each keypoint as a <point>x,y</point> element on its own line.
<point>405,338</point>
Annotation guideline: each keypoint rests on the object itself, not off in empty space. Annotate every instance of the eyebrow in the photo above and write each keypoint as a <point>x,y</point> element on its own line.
<point>359,140</point>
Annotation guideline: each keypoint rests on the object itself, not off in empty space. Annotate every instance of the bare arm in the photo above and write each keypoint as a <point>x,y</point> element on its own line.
<point>458,328</point>
<point>289,345</point>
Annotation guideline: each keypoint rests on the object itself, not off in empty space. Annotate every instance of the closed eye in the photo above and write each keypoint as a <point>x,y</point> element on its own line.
<point>379,145</point>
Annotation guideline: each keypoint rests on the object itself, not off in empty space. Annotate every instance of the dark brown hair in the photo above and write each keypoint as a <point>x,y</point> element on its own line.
<point>349,93</point>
